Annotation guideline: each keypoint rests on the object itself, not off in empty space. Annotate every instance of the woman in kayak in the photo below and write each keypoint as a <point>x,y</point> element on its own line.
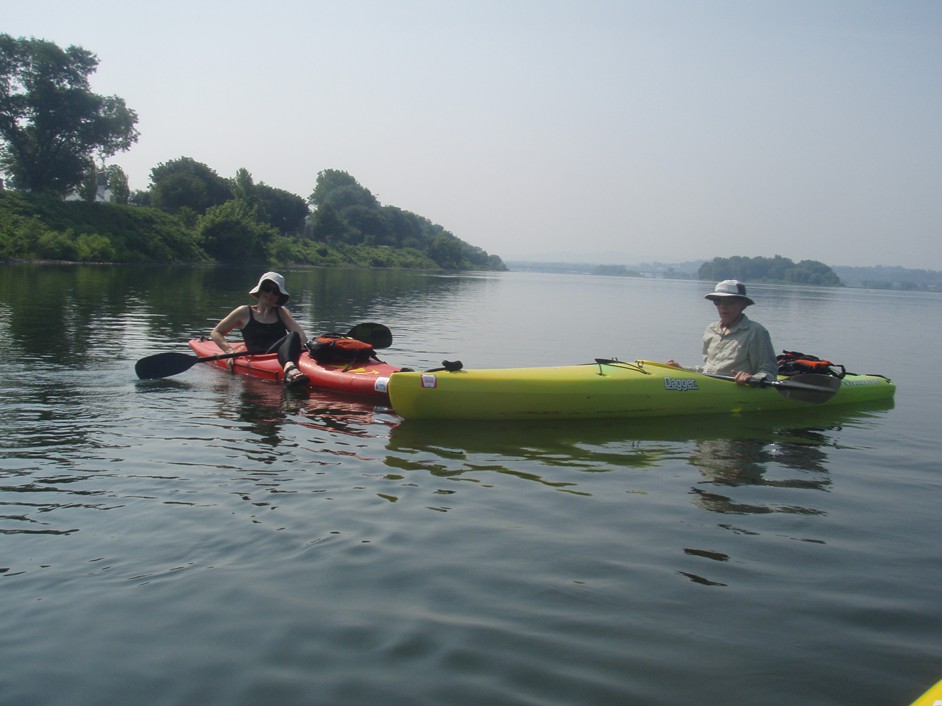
<point>736,345</point>
<point>267,326</point>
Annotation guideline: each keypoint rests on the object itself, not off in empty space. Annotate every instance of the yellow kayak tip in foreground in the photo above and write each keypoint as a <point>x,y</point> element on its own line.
<point>933,697</point>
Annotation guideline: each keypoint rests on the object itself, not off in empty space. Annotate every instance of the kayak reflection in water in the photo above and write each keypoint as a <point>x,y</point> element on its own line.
<point>735,345</point>
<point>265,326</point>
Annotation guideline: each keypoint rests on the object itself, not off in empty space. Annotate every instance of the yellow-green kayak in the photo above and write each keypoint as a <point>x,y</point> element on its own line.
<point>614,389</point>
<point>932,697</point>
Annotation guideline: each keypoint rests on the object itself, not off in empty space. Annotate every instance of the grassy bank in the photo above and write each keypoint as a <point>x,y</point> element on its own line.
<point>36,227</point>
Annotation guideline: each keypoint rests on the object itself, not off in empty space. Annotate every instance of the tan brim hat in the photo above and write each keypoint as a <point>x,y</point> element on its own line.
<point>729,288</point>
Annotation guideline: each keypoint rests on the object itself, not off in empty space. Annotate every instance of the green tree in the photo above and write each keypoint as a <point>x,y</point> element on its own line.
<point>405,228</point>
<point>230,233</point>
<point>370,223</point>
<point>283,210</point>
<point>140,197</point>
<point>88,189</point>
<point>327,226</point>
<point>814,273</point>
<point>341,190</point>
<point>186,183</point>
<point>445,250</point>
<point>765,269</point>
<point>118,184</point>
<point>51,124</point>
<point>243,189</point>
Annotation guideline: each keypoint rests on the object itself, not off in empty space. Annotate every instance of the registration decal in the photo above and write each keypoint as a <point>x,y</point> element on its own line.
<point>429,381</point>
<point>381,384</point>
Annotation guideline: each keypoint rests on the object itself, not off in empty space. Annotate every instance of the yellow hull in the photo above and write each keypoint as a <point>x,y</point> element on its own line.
<point>598,391</point>
<point>933,697</point>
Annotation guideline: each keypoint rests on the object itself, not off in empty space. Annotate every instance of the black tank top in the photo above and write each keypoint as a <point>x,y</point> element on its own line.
<point>259,336</point>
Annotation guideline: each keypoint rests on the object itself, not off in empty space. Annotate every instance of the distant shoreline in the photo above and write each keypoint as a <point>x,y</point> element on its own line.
<point>878,277</point>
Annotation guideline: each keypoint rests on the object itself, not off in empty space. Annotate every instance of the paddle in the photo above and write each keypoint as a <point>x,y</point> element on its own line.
<point>376,335</point>
<point>162,365</point>
<point>807,387</point>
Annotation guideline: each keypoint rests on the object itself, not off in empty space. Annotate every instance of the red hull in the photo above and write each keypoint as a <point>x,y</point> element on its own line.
<point>369,379</point>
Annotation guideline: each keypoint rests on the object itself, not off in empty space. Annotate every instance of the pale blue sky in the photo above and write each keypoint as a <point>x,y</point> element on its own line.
<point>545,129</point>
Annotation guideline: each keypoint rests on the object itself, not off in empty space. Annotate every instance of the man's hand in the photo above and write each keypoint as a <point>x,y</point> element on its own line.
<point>742,377</point>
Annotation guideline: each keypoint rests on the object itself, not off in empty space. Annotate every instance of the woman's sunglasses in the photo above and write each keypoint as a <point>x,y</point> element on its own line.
<point>269,289</point>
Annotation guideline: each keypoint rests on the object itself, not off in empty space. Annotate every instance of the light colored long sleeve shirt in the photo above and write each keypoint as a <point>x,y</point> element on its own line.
<point>748,347</point>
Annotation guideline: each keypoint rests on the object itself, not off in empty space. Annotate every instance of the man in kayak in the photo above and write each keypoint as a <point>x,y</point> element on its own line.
<point>735,345</point>
<point>267,325</point>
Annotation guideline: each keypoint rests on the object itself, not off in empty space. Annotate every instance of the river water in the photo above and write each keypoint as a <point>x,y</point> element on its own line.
<point>212,539</point>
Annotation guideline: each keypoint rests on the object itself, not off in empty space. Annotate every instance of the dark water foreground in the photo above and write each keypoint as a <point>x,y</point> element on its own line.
<point>206,539</point>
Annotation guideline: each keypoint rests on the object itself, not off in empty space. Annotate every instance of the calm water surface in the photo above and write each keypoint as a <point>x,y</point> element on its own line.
<point>208,539</point>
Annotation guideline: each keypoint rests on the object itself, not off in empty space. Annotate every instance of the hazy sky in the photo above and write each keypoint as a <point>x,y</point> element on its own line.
<point>618,131</point>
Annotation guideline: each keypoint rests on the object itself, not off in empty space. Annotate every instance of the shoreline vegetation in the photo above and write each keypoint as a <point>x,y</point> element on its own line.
<point>36,228</point>
<point>240,225</point>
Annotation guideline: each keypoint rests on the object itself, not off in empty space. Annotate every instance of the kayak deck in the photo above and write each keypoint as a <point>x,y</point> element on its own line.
<point>605,389</point>
<point>368,379</point>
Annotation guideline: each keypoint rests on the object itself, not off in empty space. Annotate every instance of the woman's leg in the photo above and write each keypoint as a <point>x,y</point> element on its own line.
<point>289,353</point>
<point>290,349</point>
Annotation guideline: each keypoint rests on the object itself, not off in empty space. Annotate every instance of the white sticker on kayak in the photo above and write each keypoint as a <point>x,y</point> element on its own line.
<point>429,381</point>
<point>381,384</point>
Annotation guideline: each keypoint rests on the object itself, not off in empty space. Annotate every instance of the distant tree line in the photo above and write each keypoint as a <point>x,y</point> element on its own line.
<point>614,271</point>
<point>890,277</point>
<point>776,269</point>
<point>55,136</point>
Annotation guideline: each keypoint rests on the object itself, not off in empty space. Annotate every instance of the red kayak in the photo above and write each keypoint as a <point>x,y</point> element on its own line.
<point>370,378</point>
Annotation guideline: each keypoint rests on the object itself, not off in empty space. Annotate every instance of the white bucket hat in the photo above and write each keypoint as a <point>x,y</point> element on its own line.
<point>277,280</point>
<point>729,288</point>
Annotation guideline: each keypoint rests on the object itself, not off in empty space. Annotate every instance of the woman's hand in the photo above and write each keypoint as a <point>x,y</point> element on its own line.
<point>226,348</point>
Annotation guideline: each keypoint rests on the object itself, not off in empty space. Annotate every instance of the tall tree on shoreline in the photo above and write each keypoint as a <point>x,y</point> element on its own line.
<point>184,183</point>
<point>52,126</point>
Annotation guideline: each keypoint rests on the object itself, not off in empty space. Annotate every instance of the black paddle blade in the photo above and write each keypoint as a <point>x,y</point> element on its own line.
<point>809,387</point>
<point>163,365</point>
<point>376,335</point>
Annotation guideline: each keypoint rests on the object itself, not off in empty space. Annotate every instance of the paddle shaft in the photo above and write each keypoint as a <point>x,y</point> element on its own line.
<point>809,388</point>
<point>162,365</point>
<point>223,356</point>
<point>783,384</point>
